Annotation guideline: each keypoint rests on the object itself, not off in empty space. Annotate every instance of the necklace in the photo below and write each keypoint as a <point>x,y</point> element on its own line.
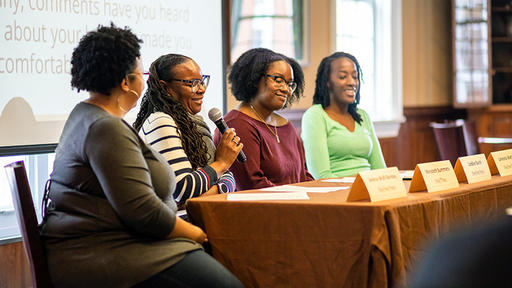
<point>261,118</point>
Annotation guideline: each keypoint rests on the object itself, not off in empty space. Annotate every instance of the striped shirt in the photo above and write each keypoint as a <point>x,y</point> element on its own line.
<point>161,132</point>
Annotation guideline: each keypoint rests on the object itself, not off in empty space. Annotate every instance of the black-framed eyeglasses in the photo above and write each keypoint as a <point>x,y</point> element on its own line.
<point>196,83</point>
<point>281,81</point>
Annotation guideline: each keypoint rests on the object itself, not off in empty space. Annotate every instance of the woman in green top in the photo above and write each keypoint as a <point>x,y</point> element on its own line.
<point>338,137</point>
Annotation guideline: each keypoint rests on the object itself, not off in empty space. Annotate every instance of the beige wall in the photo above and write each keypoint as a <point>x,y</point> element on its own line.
<point>427,55</point>
<point>426,50</point>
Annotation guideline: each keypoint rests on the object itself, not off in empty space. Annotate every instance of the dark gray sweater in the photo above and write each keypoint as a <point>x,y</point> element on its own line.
<point>111,205</point>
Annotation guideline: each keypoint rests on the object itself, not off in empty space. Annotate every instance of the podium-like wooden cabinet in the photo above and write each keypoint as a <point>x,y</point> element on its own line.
<point>482,65</point>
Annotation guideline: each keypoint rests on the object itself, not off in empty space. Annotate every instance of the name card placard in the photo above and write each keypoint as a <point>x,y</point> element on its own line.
<point>472,169</point>
<point>500,162</point>
<point>377,185</point>
<point>433,176</point>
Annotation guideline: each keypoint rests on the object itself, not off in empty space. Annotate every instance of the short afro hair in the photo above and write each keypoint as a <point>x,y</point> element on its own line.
<point>252,65</point>
<point>103,58</point>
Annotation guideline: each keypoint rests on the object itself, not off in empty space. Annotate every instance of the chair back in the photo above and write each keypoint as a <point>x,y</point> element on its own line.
<point>450,142</point>
<point>24,206</point>
<point>470,137</point>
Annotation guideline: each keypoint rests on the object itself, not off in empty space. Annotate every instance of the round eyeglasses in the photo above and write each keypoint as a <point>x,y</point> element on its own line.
<point>279,80</point>
<point>196,83</point>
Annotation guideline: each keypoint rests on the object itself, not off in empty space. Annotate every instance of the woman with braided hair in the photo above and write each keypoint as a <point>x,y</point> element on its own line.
<point>338,137</point>
<point>168,121</point>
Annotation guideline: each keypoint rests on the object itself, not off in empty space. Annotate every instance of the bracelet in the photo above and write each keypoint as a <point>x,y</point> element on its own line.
<point>223,188</point>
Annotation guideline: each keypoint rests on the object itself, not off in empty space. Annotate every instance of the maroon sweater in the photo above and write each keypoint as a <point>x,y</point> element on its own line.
<point>268,163</point>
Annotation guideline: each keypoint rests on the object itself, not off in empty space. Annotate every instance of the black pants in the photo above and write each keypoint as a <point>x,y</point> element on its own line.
<point>196,269</point>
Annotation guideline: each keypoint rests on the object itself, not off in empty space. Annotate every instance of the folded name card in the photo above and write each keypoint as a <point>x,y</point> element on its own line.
<point>433,176</point>
<point>472,169</point>
<point>500,162</point>
<point>377,185</point>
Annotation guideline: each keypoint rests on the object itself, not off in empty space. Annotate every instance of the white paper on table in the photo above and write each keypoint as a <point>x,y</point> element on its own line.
<point>268,196</point>
<point>340,180</point>
<point>407,174</point>
<point>293,188</point>
<point>180,213</point>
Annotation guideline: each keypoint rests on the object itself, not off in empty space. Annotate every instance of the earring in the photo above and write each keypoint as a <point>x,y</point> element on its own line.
<point>135,92</point>
<point>119,105</point>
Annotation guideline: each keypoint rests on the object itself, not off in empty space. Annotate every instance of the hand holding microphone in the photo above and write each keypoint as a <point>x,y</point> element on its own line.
<point>229,137</point>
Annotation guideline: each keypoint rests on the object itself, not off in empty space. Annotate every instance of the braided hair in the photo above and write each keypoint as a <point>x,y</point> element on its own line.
<point>158,99</point>
<point>322,96</point>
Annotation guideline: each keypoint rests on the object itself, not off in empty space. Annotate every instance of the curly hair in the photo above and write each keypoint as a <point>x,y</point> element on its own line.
<point>158,99</point>
<point>252,65</point>
<point>322,96</point>
<point>103,58</point>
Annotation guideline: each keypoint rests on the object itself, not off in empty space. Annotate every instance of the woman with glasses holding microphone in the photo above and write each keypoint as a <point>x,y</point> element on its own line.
<point>168,121</point>
<point>265,82</point>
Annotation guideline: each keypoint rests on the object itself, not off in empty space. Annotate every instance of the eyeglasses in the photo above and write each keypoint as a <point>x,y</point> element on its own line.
<point>136,73</point>
<point>279,80</point>
<point>196,83</point>
<point>144,75</point>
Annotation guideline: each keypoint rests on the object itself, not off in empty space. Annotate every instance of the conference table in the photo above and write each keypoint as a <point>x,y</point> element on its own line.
<point>328,242</point>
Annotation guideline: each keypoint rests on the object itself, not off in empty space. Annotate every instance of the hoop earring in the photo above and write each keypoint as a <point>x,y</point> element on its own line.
<point>136,94</point>
<point>120,107</point>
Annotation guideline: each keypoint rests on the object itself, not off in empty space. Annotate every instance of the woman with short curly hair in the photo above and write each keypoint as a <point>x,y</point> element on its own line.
<point>266,82</point>
<point>110,220</point>
<point>168,120</point>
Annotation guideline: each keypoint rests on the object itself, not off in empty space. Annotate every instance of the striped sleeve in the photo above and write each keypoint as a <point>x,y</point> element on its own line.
<point>226,183</point>
<point>160,131</point>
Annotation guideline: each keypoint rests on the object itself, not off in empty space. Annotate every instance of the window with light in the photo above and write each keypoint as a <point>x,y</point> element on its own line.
<point>371,31</point>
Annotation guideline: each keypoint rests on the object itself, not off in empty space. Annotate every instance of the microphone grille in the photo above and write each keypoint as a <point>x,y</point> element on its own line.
<point>214,114</point>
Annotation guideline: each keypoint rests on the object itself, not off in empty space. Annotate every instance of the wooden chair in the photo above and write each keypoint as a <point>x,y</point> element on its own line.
<point>450,141</point>
<point>459,138</point>
<point>24,206</point>
<point>470,137</point>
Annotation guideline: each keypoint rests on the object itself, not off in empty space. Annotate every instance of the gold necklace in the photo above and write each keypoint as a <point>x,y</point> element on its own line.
<point>261,118</point>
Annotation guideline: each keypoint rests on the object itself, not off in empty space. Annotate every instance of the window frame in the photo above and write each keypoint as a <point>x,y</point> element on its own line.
<point>304,19</point>
<point>9,227</point>
<point>385,128</point>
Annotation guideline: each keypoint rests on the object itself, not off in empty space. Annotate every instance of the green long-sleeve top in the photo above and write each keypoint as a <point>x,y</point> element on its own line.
<point>333,151</point>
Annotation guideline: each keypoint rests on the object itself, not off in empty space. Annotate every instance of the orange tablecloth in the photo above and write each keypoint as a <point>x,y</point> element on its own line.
<point>328,242</point>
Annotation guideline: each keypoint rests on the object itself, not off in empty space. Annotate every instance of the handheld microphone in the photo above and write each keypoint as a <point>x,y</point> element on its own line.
<point>216,116</point>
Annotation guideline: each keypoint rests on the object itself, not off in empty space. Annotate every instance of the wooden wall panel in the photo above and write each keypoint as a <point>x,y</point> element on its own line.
<point>388,147</point>
<point>415,142</point>
<point>14,268</point>
<point>494,121</point>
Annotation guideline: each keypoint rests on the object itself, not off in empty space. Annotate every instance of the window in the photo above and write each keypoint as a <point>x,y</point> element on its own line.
<point>272,24</point>
<point>38,168</point>
<point>371,31</point>
<point>471,53</point>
